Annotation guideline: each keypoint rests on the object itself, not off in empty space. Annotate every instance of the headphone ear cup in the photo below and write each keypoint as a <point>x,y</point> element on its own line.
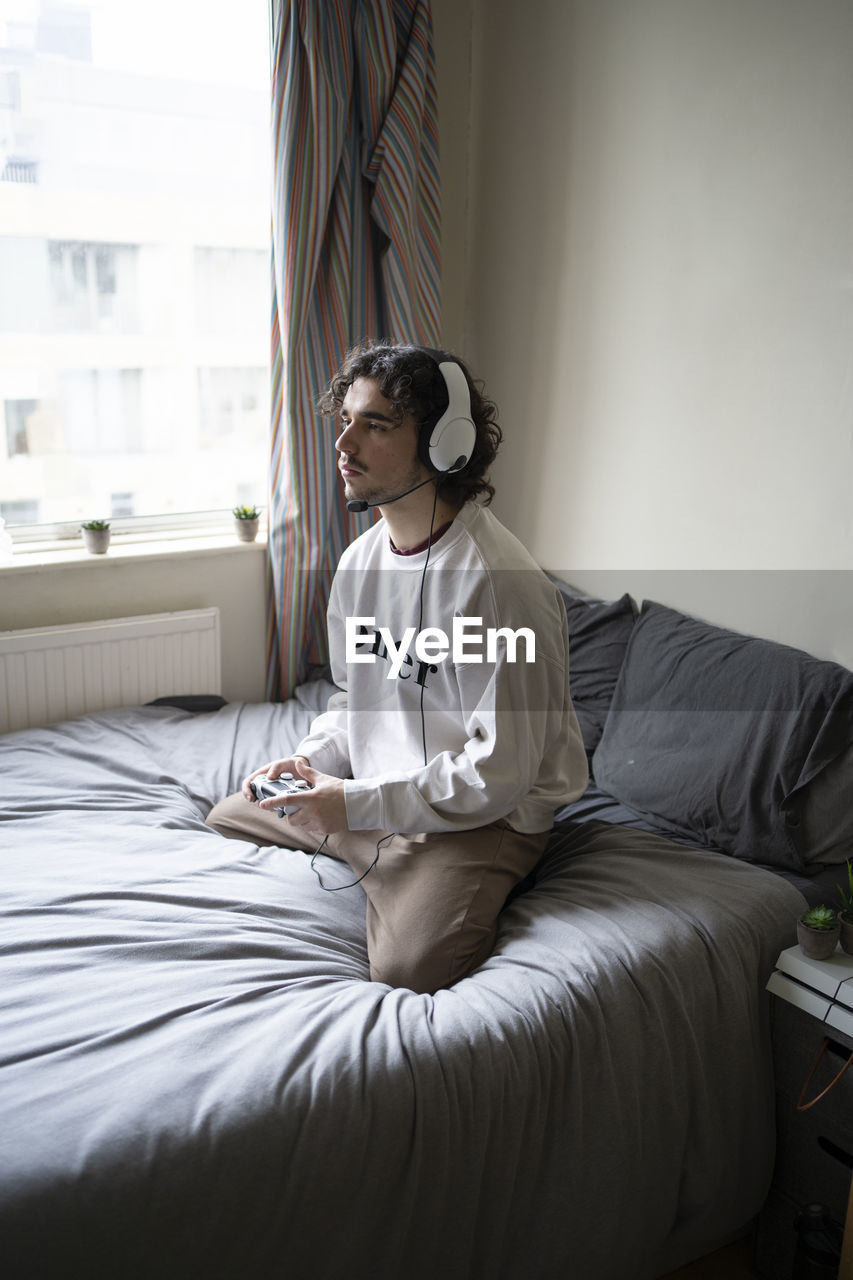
<point>450,449</point>
<point>447,447</point>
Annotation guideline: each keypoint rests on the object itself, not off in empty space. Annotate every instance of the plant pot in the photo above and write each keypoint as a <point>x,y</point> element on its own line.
<point>817,944</point>
<point>247,530</point>
<point>846,922</point>
<point>96,541</point>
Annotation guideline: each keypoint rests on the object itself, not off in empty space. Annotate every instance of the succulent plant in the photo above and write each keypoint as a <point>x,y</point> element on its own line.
<point>823,918</point>
<point>246,513</point>
<point>95,524</point>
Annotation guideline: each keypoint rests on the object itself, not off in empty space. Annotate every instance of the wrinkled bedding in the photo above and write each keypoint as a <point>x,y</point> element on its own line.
<point>198,1080</point>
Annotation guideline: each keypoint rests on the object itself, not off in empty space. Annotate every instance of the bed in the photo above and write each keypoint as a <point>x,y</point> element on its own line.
<point>198,1080</point>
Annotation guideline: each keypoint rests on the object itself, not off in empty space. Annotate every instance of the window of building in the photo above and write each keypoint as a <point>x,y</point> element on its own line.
<point>18,414</point>
<point>84,286</point>
<point>134,312</point>
<point>232,406</point>
<point>20,512</point>
<point>122,505</point>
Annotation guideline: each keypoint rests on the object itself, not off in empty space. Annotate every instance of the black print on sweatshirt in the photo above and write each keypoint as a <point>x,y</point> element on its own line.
<point>377,646</point>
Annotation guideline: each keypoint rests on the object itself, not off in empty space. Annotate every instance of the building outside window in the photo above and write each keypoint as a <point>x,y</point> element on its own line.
<point>134,258</point>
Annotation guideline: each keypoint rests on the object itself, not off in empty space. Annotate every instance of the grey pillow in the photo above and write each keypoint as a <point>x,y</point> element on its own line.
<point>598,637</point>
<point>719,736</point>
<point>828,812</point>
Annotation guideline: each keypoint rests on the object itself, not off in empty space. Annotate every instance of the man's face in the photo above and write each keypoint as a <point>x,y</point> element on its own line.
<point>377,452</point>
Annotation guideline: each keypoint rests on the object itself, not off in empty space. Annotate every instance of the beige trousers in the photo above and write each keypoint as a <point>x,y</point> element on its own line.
<point>432,900</point>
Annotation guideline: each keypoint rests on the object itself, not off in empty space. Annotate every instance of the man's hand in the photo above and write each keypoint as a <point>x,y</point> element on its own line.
<point>321,811</point>
<point>274,769</point>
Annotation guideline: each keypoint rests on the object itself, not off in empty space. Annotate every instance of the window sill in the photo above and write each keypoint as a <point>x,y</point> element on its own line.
<point>55,555</point>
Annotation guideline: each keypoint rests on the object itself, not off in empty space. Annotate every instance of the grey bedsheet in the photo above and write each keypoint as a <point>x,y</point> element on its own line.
<point>197,1079</point>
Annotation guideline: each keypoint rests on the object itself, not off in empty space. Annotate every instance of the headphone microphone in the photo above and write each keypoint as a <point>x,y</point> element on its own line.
<point>357,505</point>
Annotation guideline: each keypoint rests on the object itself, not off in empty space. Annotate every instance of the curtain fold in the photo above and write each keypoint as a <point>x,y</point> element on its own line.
<point>355,254</point>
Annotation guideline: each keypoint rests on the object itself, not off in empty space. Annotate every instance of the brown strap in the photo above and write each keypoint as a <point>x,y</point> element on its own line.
<point>804,1106</point>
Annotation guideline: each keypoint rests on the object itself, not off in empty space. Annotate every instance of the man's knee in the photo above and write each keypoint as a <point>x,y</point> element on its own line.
<point>224,818</point>
<point>432,966</point>
<point>239,819</point>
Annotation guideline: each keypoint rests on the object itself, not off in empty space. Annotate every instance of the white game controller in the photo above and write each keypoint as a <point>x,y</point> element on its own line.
<point>263,788</point>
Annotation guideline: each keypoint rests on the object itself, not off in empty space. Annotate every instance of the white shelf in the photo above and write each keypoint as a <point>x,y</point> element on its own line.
<point>821,988</point>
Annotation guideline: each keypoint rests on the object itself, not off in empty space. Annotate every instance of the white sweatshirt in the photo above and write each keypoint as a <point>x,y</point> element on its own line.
<point>502,740</point>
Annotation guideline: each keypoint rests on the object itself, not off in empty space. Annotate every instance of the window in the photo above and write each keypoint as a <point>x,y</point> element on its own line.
<point>232,404</point>
<point>122,505</point>
<point>93,286</point>
<point>19,414</point>
<point>19,512</point>
<point>134,255</point>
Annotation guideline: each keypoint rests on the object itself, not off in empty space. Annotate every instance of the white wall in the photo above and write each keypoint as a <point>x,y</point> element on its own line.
<point>118,585</point>
<point>657,289</point>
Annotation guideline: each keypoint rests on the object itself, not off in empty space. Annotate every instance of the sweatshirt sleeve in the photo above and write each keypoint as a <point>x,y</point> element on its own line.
<point>326,745</point>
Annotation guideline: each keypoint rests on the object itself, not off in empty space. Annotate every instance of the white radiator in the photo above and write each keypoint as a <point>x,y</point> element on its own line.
<point>54,673</point>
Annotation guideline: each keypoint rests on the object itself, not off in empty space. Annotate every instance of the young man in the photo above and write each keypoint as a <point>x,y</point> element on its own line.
<point>436,770</point>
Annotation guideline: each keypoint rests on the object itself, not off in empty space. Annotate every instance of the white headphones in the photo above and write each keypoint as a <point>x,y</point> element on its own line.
<point>448,446</point>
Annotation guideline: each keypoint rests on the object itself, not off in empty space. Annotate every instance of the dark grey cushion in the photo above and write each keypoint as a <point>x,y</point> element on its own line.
<point>717,736</point>
<point>828,812</point>
<point>598,637</point>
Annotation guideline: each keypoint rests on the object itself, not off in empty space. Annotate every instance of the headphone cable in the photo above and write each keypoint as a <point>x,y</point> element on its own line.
<point>352,883</point>
<point>421,616</point>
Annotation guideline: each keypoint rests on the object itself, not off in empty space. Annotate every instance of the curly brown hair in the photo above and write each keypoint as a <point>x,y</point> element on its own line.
<point>410,378</point>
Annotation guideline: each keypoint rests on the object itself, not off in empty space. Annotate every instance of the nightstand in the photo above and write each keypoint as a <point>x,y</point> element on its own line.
<point>813,1001</point>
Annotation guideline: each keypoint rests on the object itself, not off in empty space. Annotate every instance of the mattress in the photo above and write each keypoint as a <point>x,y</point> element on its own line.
<point>197,1078</point>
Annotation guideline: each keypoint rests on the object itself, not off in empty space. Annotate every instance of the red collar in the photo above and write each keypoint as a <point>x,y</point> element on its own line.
<point>422,546</point>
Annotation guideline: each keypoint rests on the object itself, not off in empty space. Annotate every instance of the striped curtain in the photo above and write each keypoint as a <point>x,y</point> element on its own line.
<point>355,254</point>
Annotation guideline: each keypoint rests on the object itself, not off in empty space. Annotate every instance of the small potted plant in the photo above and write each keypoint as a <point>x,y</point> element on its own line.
<point>96,536</point>
<point>845,915</point>
<point>818,931</point>
<point>246,520</point>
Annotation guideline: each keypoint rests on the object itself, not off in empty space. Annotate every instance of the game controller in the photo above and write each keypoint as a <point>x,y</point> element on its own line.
<point>264,788</point>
